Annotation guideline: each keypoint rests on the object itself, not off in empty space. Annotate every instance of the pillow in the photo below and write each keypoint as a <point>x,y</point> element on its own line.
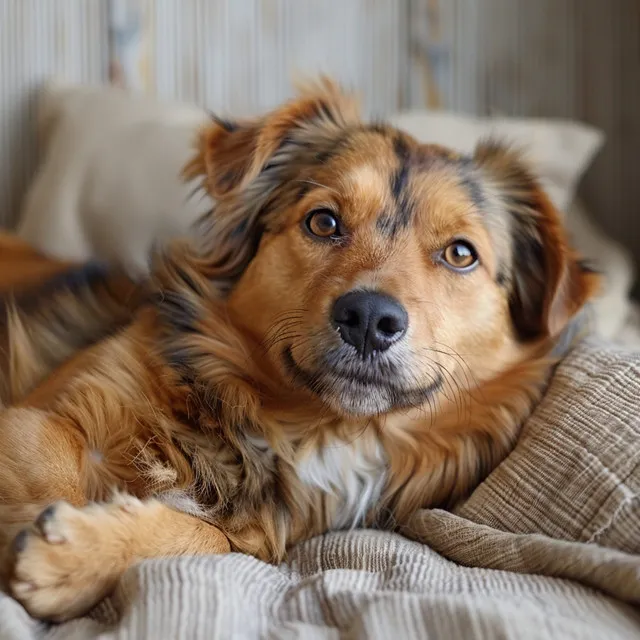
<point>575,471</point>
<point>109,184</point>
<point>629,335</point>
<point>612,308</point>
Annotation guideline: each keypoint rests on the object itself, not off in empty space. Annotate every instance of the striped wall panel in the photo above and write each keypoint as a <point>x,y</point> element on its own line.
<point>557,58</point>
<point>39,39</point>
<point>241,55</point>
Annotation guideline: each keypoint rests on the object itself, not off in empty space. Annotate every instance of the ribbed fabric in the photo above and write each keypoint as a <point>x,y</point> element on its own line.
<point>574,474</point>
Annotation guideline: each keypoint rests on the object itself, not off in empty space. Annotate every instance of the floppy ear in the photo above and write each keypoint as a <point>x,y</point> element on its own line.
<point>242,164</point>
<point>231,154</point>
<point>548,283</point>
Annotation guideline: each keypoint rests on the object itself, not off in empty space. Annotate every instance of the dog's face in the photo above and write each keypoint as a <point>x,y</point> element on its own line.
<point>379,273</point>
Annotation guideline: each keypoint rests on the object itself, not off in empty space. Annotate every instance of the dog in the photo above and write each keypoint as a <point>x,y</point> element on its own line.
<point>23,268</point>
<point>358,331</point>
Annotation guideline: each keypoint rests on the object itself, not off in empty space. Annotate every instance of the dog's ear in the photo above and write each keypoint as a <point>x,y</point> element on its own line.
<point>252,159</point>
<point>230,155</point>
<point>548,283</point>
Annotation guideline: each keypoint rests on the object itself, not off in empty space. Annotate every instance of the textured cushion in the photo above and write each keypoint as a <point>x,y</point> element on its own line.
<point>575,473</point>
<point>491,569</point>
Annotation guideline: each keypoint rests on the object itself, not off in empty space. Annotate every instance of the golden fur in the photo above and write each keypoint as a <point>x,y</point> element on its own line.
<point>219,401</point>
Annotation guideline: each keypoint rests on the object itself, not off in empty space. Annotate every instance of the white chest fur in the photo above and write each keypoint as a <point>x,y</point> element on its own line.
<point>352,474</point>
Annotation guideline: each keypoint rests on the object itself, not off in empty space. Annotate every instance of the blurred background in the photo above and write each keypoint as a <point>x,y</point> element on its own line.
<point>572,59</point>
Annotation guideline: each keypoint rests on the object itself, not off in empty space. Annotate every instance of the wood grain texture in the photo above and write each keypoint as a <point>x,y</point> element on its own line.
<point>40,39</point>
<point>550,58</point>
<point>240,56</point>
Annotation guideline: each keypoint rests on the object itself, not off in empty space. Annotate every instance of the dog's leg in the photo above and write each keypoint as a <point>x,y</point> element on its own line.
<point>71,558</point>
<point>62,559</point>
<point>40,463</point>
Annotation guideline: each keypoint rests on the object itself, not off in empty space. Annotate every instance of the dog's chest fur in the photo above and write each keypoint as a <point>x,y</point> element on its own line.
<point>351,474</point>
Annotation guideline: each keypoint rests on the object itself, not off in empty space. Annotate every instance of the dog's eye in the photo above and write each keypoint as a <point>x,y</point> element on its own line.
<point>322,223</point>
<point>460,255</point>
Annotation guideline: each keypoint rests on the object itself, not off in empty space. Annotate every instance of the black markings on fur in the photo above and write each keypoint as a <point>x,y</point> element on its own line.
<point>336,145</point>
<point>178,312</point>
<point>470,183</point>
<point>70,312</point>
<point>399,182</point>
<point>77,279</point>
<point>185,277</point>
<point>249,240</point>
<point>378,127</point>
<point>240,230</point>
<point>527,298</point>
<point>322,157</point>
<point>389,224</point>
<point>20,541</point>
<point>228,180</point>
<point>501,278</point>
<point>324,111</point>
<point>228,125</point>
<point>303,190</point>
<point>180,359</point>
<point>385,224</point>
<point>332,147</point>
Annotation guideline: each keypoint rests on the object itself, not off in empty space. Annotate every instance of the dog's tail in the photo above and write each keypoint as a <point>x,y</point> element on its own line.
<point>45,326</point>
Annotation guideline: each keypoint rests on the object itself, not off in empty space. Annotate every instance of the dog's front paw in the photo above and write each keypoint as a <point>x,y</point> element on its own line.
<point>70,559</point>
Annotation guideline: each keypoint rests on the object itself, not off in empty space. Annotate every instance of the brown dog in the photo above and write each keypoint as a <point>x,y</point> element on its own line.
<point>366,324</point>
<point>23,268</point>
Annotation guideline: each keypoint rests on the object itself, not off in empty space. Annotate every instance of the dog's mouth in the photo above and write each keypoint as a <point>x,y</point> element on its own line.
<point>359,388</point>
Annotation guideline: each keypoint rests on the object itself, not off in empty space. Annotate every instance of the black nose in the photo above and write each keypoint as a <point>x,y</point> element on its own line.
<point>369,321</point>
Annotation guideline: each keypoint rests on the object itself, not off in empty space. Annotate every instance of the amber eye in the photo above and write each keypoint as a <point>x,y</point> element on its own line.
<point>322,223</point>
<point>460,255</point>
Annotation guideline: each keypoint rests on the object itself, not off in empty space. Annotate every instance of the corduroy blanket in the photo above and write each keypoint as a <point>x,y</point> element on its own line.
<point>547,547</point>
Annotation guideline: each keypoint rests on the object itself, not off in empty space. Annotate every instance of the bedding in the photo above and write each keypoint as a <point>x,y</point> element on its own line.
<point>547,547</point>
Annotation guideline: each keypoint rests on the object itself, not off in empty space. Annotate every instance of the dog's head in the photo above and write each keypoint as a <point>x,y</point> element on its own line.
<point>378,272</point>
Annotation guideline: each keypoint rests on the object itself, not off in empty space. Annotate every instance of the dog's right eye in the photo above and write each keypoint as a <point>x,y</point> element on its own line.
<point>323,224</point>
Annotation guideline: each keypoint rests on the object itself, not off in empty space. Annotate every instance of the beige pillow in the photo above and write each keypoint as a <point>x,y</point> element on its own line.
<point>575,471</point>
<point>109,185</point>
